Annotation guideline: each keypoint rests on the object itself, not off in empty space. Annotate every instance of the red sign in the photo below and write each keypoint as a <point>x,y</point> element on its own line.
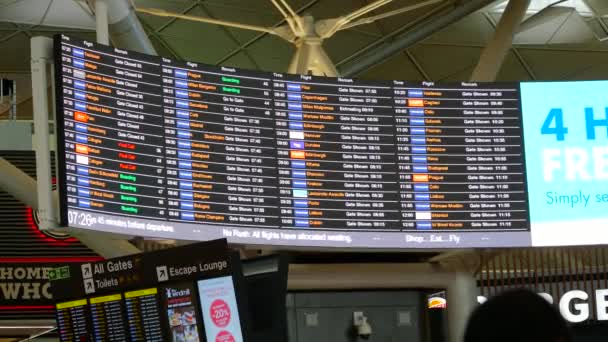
<point>24,283</point>
<point>224,336</point>
<point>220,313</point>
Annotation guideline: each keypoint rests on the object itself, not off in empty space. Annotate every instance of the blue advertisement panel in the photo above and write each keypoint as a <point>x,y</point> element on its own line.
<point>566,147</point>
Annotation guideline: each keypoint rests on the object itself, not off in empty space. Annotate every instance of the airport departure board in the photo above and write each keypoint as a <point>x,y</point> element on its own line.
<point>107,318</point>
<point>143,315</point>
<point>336,157</point>
<point>219,146</point>
<point>459,156</point>
<point>156,147</point>
<point>72,320</point>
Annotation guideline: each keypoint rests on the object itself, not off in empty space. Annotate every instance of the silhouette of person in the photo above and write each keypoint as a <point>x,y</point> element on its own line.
<point>517,316</point>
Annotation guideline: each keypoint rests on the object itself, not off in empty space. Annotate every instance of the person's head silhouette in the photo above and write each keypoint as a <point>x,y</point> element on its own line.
<point>517,316</point>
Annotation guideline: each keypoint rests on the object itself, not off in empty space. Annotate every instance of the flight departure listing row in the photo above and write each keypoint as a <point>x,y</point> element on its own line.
<point>153,146</point>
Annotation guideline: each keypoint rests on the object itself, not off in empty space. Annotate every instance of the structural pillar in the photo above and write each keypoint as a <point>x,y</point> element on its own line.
<point>42,55</point>
<point>493,55</point>
<point>102,22</point>
<point>461,300</point>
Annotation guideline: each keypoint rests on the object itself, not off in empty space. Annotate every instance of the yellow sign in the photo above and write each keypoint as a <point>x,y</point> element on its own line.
<point>141,293</point>
<point>110,298</point>
<point>74,303</point>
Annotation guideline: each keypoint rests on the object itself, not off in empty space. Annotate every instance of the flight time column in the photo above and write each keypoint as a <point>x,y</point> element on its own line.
<point>113,130</point>
<point>460,157</point>
<point>220,145</point>
<point>336,159</point>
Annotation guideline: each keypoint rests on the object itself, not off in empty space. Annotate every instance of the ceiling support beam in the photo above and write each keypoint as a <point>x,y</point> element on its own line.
<point>263,34</point>
<point>101,22</point>
<point>516,52</point>
<point>386,39</point>
<point>17,183</point>
<point>174,19</point>
<point>419,67</point>
<point>418,33</point>
<point>495,52</point>
<point>125,29</point>
<point>23,187</point>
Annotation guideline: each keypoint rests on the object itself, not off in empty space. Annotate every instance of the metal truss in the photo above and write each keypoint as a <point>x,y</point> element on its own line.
<point>306,33</point>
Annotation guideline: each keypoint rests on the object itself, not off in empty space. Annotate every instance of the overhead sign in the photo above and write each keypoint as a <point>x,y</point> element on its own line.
<point>140,270</point>
<point>158,147</point>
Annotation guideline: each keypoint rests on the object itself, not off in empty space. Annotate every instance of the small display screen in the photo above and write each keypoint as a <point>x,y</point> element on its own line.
<point>181,307</point>
<point>73,321</point>
<point>220,310</point>
<point>107,318</point>
<point>143,314</point>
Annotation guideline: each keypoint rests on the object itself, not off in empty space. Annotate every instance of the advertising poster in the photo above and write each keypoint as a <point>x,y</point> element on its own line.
<point>566,146</point>
<point>220,310</point>
<point>182,314</point>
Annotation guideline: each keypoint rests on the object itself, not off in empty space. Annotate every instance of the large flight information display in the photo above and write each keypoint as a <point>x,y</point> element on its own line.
<point>156,147</point>
<point>335,153</point>
<point>219,146</point>
<point>460,159</point>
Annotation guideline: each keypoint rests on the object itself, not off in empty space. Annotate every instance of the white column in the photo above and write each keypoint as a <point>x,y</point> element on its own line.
<point>42,54</point>
<point>461,300</point>
<point>102,22</point>
<point>493,55</point>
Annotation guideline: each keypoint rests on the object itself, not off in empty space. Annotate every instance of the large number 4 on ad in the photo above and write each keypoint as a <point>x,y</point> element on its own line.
<point>554,123</point>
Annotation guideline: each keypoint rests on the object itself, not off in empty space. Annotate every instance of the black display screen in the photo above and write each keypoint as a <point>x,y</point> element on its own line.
<point>336,156</point>
<point>107,318</point>
<point>219,146</point>
<point>72,321</point>
<point>143,314</point>
<point>156,147</point>
<point>460,157</point>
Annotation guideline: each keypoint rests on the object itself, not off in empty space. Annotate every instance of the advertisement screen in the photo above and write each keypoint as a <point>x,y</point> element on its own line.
<point>182,150</point>
<point>566,130</point>
<point>220,310</point>
<point>182,313</point>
